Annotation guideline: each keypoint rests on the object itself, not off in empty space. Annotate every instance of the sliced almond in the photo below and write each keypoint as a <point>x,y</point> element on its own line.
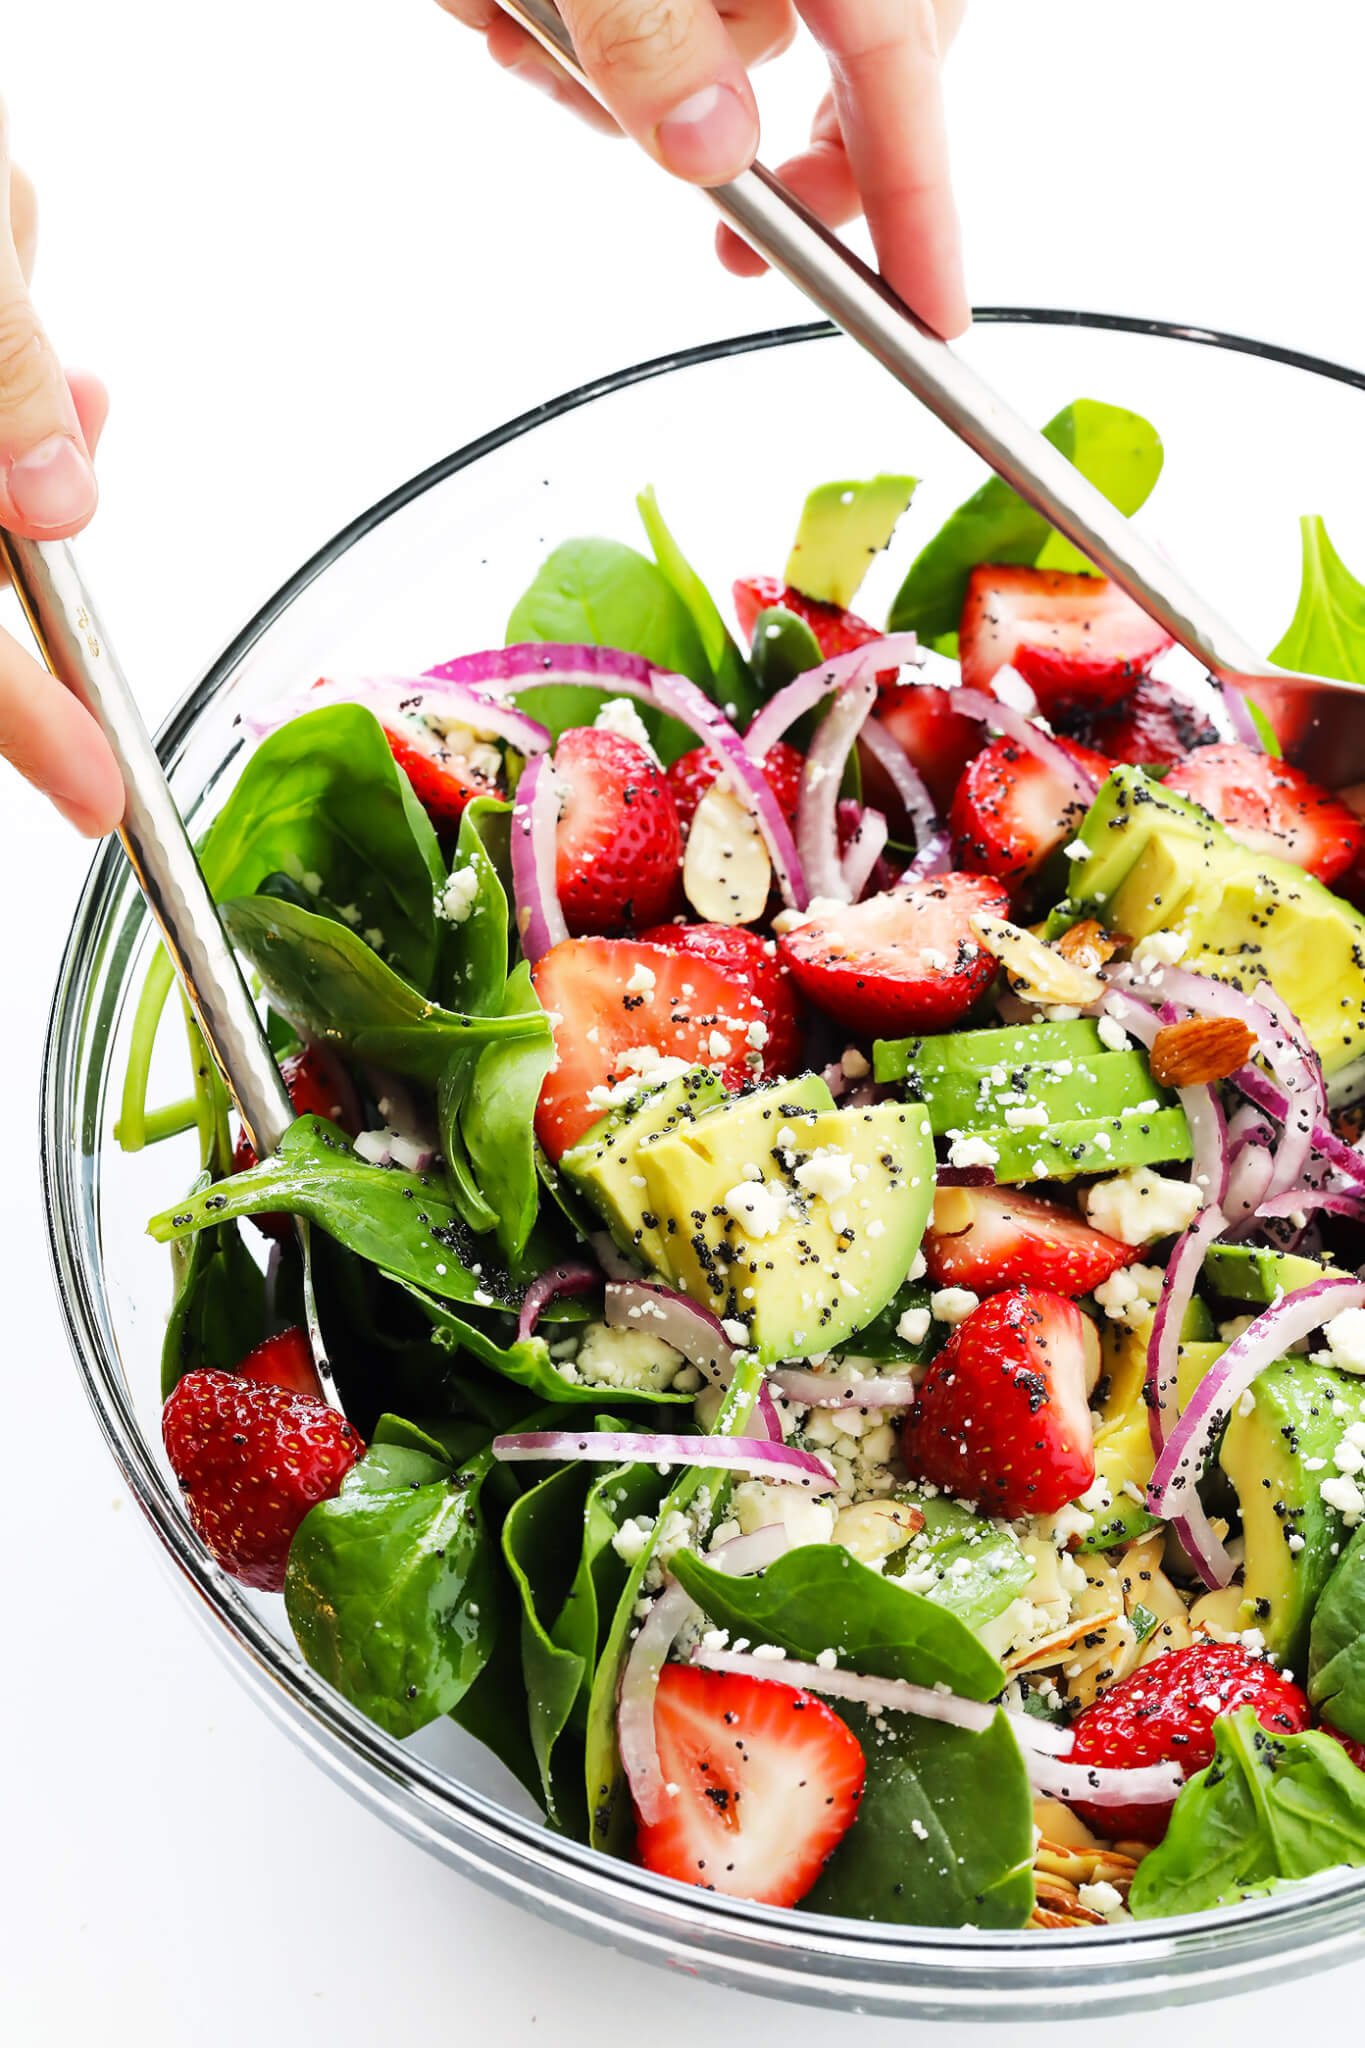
<point>1092,1864</point>
<point>1034,970</point>
<point>1219,1614</point>
<point>1087,945</point>
<point>727,874</point>
<point>1060,1828</point>
<point>954,1211</point>
<point>1200,1049</point>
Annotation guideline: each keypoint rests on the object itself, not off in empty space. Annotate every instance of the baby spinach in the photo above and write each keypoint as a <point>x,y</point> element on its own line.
<point>732,684</point>
<point>539,1541</point>
<point>819,1597</point>
<point>474,956</point>
<point>526,1361</point>
<point>390,1586</point>
<point>497,1117</point>
<point>1327,632</point>
<point>944,1834</point>
<point>1118,451</point>
<point>218,1313</point>
<point>1268,1807</point>
<point>784,647</point>
<point>1336,1650</point>
<point>333,987</point>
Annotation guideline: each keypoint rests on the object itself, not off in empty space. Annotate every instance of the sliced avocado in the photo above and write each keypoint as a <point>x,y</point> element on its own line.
<point>1198,1326</point>
<point>843,526</point>
<point>1123,1438</point>
<point>1061,1091</point>
<point>978,1052</point>
<point>964,1562</point>
<point>1090,1145</point>
<point>1293,1537</point>
<point>826,1239</point>
<point>1243,1272</point>
<point>1158,863</point>
<point>602,1165</point>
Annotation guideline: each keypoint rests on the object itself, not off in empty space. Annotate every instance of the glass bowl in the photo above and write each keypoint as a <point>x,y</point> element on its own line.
<point>732,436</point>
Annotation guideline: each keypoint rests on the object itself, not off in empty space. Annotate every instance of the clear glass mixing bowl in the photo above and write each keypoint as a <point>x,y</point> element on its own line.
<point>732,436</point>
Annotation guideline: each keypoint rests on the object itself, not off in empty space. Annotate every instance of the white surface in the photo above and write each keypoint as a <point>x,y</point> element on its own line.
<point>313,244</point>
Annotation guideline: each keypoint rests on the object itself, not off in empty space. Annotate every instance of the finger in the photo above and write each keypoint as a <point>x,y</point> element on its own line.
<point>510,46</point>
<point>47,485</point>
<point>55,743</point>
<point>884,59</point>
<point>821,177</point>
<point>91,400</point>
<point>673,78</point>
<point>759,29</point>
<point>23,208</point>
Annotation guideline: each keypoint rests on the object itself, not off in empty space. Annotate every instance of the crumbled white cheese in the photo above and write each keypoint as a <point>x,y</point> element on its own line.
<point>953,1304</point>
<point>828,1660</point>
<point>918,1267</point>
<point>1128,1295</point>
<point>827,1174</point>
<point>1344,1494</point>
<point>1160,949</point>
<point>913,1326</point>
<point>972,1151</point>
<point>756,1503</point>
<point>760,1207</point>
<point>1032,1114</point>
<point>1139,1206</point>
<point>642,981</point>
<point>457,897</point>
<point>619,715</point>
<point>627,1358</point>
<point>1102,1897</point>
<point>1345,1336</point>
<point>1112,1034</point>
<point>1077,850</point>
<point>718,1046</point>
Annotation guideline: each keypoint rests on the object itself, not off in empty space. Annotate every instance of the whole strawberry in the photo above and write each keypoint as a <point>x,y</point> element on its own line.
<point>618,846</point>
<point>1164,1713</point>
<point>251,1460</point>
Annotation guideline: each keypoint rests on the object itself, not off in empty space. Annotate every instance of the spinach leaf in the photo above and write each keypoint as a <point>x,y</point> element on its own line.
<point>733,686</point>
<point>974,1567</point>
<point>944,1834</point>
<point>819,1597</point>
<point>218,1314</point>
<point>473,969</point>
<point>526,1361</point>
<point>784,647</point>
<point>451,1096</point>
<point>1336,1647</point>
<point>1268,1806</point>
<point>1327,632</point>
<point>449,1443</point>
<point>1118,451</point>
<point>497,1117</point>
<point>333,987</point>
<point>539,1542</point>
<point>390,1588</point>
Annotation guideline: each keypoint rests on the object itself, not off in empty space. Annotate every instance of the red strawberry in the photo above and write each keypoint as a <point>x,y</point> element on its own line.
<point>1164,1713</point>
<point>767,1779</point>
<point>443,780</point>
<point>836,631</point>
<point>1150,729</point>
<point>313,1091</point>
<point>1354,1750</point>
<point>1077,640</point>
<point>1010,1237</point>
<point>614,1004</point>
<point>285,1360</point>
<point>1002,1416</point>
<point>1272,808</point>
<point>1011,811</point>
<point>906,960</point>
<point>743,957</point>
<point>251,1460</point>
<point>619,844</point>
<point>692,774</point>
<point>886,872</point>
<point>939,741</point>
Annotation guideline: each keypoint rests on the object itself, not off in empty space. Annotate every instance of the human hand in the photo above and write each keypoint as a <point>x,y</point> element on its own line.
<point>674,74</point>
<point>49,426</point>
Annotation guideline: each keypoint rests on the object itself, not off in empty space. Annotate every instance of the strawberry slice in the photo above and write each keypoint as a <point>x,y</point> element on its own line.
<point>1002,1415</point>
<point>939,741</point>
<point>447,768</point>
<point>313,1090</point>
<point>836,631</point>
<point>906,960</point>
<point>619,844</point>
<point>1150,729</point>
<point>692,774</point>
<point>621,1011</point>
<point>743,957</point>
<point>767,1778</point>
<point>1000,1237</point>
<point>1272,808</point>
<point>285,1360</point>
<point>1011,811</point>
<point>1077,640</point>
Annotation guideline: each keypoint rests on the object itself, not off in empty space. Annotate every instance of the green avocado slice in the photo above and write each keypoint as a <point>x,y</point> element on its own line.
<point>843,526</point>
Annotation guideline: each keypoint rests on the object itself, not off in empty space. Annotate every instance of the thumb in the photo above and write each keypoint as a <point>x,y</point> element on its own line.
<point>674,79</point>
<point>47,485</point>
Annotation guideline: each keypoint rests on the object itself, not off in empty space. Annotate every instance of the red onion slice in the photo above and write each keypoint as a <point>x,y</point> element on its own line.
<point>535,817</point>
<point>1016,726</point>
<point>1161,1391</point>
<point>864,850</point>
<point>1244,726</point>
<point>1203,1546</point>
<point>1094,1785</point>
<point>678,1320</point>
<point>401,702</point>
<point>817,831</point>
<point>1266,1096</point>
<point>804,692</point>
<point>765,1459</point>
<point>765,1419</point>
<point>573,1277</point>
<point>905,778</point>
<point>935,857</point>
<point>834,1390</point>
<point>1336,1201</point>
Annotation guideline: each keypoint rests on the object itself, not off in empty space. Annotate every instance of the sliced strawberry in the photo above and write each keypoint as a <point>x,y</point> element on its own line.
<point>285,1360</point>
<point>1002,1416</point>
<point>692,774</point>
<point>1272,808</point>
<point>251,1460</point>
<point>836,631</point>
<point>764,1783</point>
<point>619,844</point>
<point>313,1090</point>
<point>447,768</point>
<point>1077,640</point>
<point>1011,811</point>
<point>906,960</point>
<point>939,741</point>
<point>618,1007</point>
<point>1164,1713</point>
<point>1001,1237</point>
<point>1150,729</point>
<point>743,957</point>
<point>1354,1750</point>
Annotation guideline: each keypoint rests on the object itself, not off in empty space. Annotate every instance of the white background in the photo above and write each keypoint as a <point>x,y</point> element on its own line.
<point>314,244</point>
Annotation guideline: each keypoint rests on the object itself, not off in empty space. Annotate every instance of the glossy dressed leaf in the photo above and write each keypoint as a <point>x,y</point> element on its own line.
<point>1326,635</point>
<point>1117,450</point>
<point>451,1094</point>
<point>475,950</point>
<point>1268,1807</point>
<point>497,1120</point>
<point>732,685</point>
<point>539,1542</point>
<point>526,1361</point>
<point>783,648</point>
<point>944,1834</point>
<point>390,1588</point>
<point>1336,1651</point>
<point>218,1314</point>
<point>449,1443</point>
<point>819,1597</point>
<point>328,982</point>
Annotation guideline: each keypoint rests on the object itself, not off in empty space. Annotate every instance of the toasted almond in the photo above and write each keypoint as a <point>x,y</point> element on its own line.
<point>1064,1645</point>
<point>1060,1828</point>
<point>1034,970</point>
<point>1200,1049</point>
<point>1219,1614</point>
<point>1098,1865</point>
<point>954,1211</point>
<point>1087,945</point>
<point>727,872</point>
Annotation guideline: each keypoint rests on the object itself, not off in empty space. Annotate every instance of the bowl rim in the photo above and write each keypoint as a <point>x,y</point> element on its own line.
<point>803,1955</point>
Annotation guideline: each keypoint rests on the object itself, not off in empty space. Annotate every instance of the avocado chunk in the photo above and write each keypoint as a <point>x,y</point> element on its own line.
<point>1090,1145</point>
<point>795,1227</point>
<point>603,1167</point>
<point>1156,862</point>
<point>1123,1438</point>
<point>1293,1536</point>
<point>978,1052</point>
<point>965,1562</point>
<point>1065,1090</point>
<point>1243,1272</point>
<point>843,526</point>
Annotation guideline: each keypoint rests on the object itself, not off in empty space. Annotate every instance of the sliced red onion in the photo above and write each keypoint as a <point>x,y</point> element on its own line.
<point>402,702</point>
<point>1275,1331</point>
<point>535,818</point>
<point>667,1618</point>
<point>1244,726</point>
<point>910,786</point>
<point>1094,1785</point>
<point>613,1261</point>
<point>817,830</point>
<point>678,1320</point>
<point>573,1277</point>
<point>1336,1201</point>
<point>1203,1546</point>
<point>804,692</point>
<point>1266,1096</point>
<point>863,852</point>
<point>765,1419</point>
<point>1249,1177</point>
<point>1161,1391</point>
<point>765,1459</point>
<point>836,1390</point>
<point>1203,1107</point>
<point>1022,730</point>
<point>935,857</point>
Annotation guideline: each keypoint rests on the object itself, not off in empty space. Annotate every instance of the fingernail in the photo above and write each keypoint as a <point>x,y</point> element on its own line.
<point>53,484</point>
<point>710,137</point>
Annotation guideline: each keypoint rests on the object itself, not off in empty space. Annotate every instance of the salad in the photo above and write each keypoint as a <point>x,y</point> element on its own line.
<point>834,1172</point>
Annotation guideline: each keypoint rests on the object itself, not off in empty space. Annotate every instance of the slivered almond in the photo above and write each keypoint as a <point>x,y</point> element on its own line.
<point>1200,1049</point>
<point>1087,945</point>
<point>1033,969</point>
<point>726,869</point>
<point>1083,1866</point>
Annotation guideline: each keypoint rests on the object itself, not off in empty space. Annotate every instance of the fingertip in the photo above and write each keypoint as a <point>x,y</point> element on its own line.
<point>90,396</point>
<point>736,255</point>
